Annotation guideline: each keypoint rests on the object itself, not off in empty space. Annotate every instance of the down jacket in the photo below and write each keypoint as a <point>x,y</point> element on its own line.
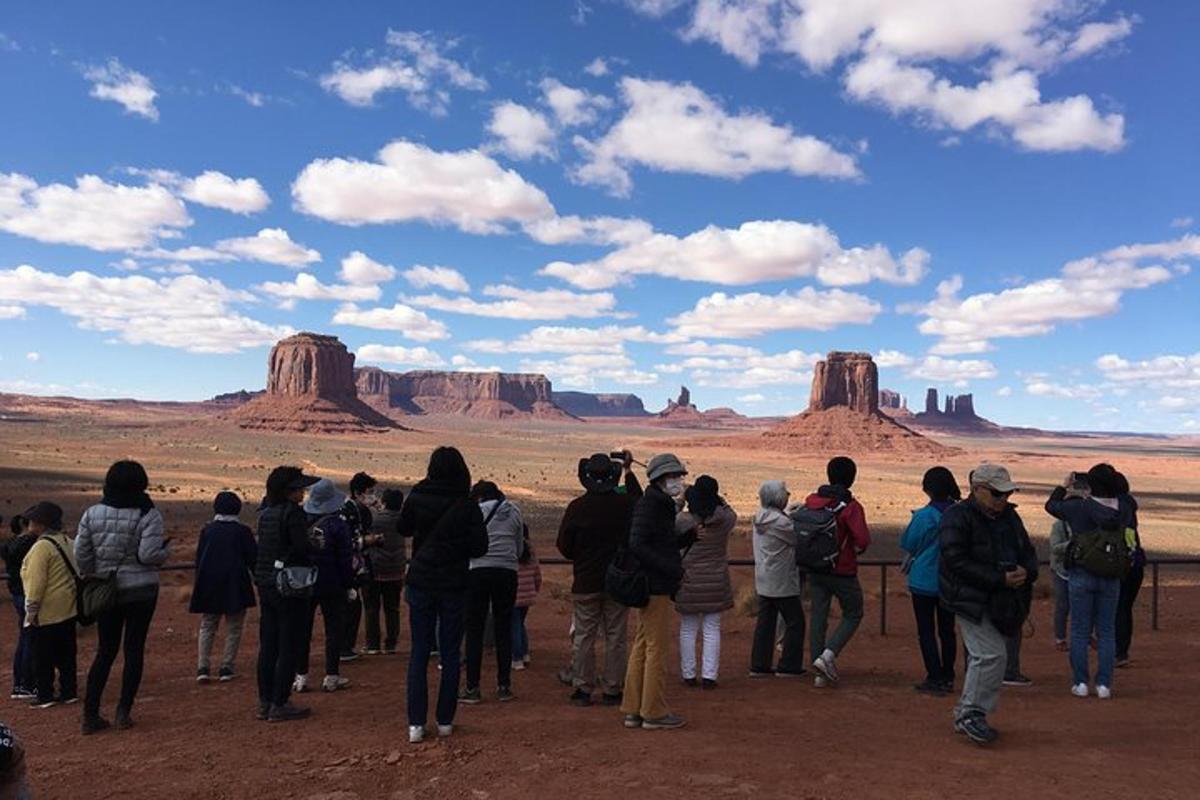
<point>706,588</point>
<point>654,542</point>
<point>447,532</point>
<point>974,546</point>
<point>127,540</point>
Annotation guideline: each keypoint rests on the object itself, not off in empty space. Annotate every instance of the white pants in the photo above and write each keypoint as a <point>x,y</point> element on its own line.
<point>689,626</point>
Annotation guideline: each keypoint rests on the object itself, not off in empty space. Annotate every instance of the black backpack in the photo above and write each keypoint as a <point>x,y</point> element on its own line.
<point>817,546</point>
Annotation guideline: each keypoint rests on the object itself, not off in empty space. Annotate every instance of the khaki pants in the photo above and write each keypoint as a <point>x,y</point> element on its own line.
<point>646,678</point>
<point>599,615</point>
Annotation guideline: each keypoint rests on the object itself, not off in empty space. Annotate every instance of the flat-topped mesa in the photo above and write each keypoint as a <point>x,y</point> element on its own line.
<point>845,379</point>
<point>964,406</point>
<point>311,365</point>
<point>487,395</point>
<point>584,404</point>
<point>889,399</point>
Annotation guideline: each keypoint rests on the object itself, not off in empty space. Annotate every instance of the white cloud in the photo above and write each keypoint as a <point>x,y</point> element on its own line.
<point>423,277</point>
<point>597,67</point>
<point>409,181</point>
<point>464,364</point>
<point>751,399</point>
<point>408,321</point>
<point>256,99</point>
<point>1183,222</point>
<point>756,251</point>
<point>676,127</point>
<point>573,229</point>
<point>750,371</point>
<point>588,371</point>
<point>738,316</point>
<point>951,370</point>
<point>892,358</point>
<point>12,312</point>
<point>742,28</point>
<point>307,287</point>
<point>271,246</point>
<point>1162,372</point>
<point>1004,391</point>
<point>33,356</point>
<point>1098,35</point>
<point>216,189</point>
<point>1185,247</point>
<point>359,269</point>
<point>186,312</point>
<point>414,64</point>
<point>572,106</point>
<point>1046,386</point>
<point>700,348</point>
<point>93,213</point>
<point>412,357</point>
<point>517,303</point>
<point>116,82</point>
<point>520,132</point>
<point>556,339</point>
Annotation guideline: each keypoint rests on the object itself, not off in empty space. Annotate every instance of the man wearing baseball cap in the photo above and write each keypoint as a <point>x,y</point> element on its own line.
<point>986,577</point>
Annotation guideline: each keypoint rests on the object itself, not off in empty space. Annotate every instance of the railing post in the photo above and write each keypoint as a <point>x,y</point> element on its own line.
<point>883,599</point>
<point>1154,596</point>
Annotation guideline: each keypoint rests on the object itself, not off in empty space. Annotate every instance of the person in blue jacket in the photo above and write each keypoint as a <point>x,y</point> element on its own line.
<point>935,624</point>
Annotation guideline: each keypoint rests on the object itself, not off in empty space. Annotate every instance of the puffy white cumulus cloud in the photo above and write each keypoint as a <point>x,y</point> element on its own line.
<point>597,67</point>
<point>465,364</point>
<point>409,181</point>
<point>590,370</point>
<point>737,316</point>
<point>271,246</point>
<point>952,370</point>
<point>131,89</point>
<point>515,303</point>
<point>1087,288</point>
<point>359,269</point>
<point>1171,372</point>
<point>414,357</point>
<point>307,287</point>
<point>572,106</point>
<point>12,312</point>
<point>414,63</point>
<point>1177,249</point>
<point>408,321</point>
<point>743,28</point>
<point>423,277</point>
<point>520,132</point>
<point>757,251</point>
<point>186,312</point>
<point>676,127</point>
<point>574,229</point>
<point>1042,385</point>
<point>893,358</point>
<point>557,339</point>
<point>701,348</point>
<point>93,213</point>
<point>216,189</point>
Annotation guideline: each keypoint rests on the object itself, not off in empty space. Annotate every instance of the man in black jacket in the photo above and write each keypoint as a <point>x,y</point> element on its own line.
<point>988,567</point>
<point>656,545</point>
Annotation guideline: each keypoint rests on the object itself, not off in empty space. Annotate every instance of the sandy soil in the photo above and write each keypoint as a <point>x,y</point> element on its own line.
<point>873,737</point>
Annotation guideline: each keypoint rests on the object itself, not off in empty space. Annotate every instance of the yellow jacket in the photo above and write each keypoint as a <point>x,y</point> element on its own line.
<point>49,585</point>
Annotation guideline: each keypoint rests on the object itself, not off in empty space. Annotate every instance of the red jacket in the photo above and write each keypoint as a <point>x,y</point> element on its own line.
<point>851,525</point>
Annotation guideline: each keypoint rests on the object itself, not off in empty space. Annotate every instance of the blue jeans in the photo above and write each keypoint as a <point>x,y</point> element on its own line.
<point>22,669</point>
<point>520,637</point>
<point>430,611</point>
<point>1093,605</point>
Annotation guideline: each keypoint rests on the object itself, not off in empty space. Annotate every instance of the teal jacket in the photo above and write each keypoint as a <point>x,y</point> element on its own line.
<point>920,540</point>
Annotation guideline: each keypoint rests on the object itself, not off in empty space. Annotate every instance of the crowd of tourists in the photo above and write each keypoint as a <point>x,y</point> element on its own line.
<point>460,553</point>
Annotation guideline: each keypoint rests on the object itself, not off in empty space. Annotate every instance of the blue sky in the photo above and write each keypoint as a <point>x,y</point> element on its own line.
<point>997,198</point>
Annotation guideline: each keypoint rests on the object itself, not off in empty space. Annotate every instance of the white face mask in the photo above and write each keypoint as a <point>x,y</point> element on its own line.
<point>673,487</point>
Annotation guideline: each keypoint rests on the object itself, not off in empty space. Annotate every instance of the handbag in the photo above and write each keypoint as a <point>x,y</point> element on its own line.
<point>94,594</point>
<point>626,581</point>
<point>295,582</point>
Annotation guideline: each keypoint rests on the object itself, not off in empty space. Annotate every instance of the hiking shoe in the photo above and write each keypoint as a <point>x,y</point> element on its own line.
<point>668,723</point>
<point>930,687</point>
<point>416,734</point>
<point>827,668</point>
<point>94,725</point>
<point>505,694</point>
<point>1017,680</point>
<point>202,675</point>
<point>470,697</point>
<point>334,683</point>
<point>708,683</point>
<point>300,685</point>
<point>21,693</point>
<point>1080,690</point>
<point>634,721</point>
<point>976,728</point>
<point>787,673</point>
<point>262,711</point>
<point>445,730</point>
<point>580,698</point>
<point>1104,693</point>
<point>287,713</point>
<point>38,702</point>
<point>607,699</point>
<point>762,673</point>
<point>692,682</point>
<point>349,655</point>
<point>226,674</point>
<point>122,721</point>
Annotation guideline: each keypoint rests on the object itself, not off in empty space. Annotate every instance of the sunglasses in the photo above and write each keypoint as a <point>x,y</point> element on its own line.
<point>999,495</point>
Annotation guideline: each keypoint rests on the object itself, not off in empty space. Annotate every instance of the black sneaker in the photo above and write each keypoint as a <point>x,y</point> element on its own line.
<point>708,683</point>
<point>668,723</point>
<point>94,725</point>
<point>633,721</point>
<point>930,687</point>
<point>692,682</point>
<point>505,694</point>
<point>349,655</point>
<point>122,721</point>
<point>21,693</point>
<point>43,702</point>
<point>616,699</point>
<point>287,713</point>
<point>202,675</point>
<point>976,728</point>
<point>263,711</point>
<point>67,699</point>
<point>226,674</point>
<point>470,697</point>
<point>1017,680</point>
<point>580,698</point>
<point>762,673</point>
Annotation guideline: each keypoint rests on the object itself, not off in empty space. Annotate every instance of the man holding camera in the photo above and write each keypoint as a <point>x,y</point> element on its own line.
<point>594,526</point>
<point>986,576</point>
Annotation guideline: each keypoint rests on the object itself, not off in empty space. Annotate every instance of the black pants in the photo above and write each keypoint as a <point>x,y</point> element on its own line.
<point>333,611</point>
<point>1130,587</point>
<point>762,651</point>
<point>280,626</point>
<point>124,626</point>
<point>495,588</point>
<point>351,618</point>
<point>54,649</point>
<point>935,632</point>
<point>387,593</point>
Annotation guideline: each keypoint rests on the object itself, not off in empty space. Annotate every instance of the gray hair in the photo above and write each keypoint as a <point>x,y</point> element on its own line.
<point>773,494</point>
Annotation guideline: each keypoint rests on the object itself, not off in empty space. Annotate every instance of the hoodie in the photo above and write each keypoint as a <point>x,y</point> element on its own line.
<point>854,537</point>
<point>506,535</point>
<point>1086,514</point>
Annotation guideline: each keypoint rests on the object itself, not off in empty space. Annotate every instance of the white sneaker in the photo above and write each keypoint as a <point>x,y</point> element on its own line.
<point>445,730</point>
<point>1080,690</point>
<point>416,734</point>
<point>333,683</point>
<point>518,666</point>
<point>826,666</point>
<point>820,682</point>
<point>1103,692</point>
<point>300,685</point>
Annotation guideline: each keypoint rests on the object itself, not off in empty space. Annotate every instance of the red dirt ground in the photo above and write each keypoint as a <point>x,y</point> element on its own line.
<point>871,738</point>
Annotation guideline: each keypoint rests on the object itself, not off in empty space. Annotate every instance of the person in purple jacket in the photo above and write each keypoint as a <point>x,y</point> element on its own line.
<point>334,561</point>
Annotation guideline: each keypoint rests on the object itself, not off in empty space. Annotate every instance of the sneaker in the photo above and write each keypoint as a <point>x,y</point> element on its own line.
<point>827,668</point>
<point>946,686</point>
<point>21,693</point>
<point>762,673</point>
<point>692,682</point>
<point>445,730</point>
<point>122,721</point>
<point>334,683</point>
<point>416,734</point>
<point>287,713</point>
<point>708,683</point>
<point>976,728</point>
<point>633,721</point>
<point>263,710</point>
<point>1017,680</point>
<point>668,723</point>
<point>517,666</point>
<point>787,673</point>
<point>820,682</point>
<point>580,698</point>
<point>37,702</point>
<point>1080,690</point>
<point>372,651</point>
<point>226,674</point>
<point>1104,693</point>
<point>607,699</point>
<point>565,677</point>
<point>930,687</point>
<point>300,685</point>
<point>505,694</point>
<point>202,675</point>
<point>94,725</point>
<point>349,655</point>
<point>470,697</point>
<point>67,700</point>
<point>527,660</point>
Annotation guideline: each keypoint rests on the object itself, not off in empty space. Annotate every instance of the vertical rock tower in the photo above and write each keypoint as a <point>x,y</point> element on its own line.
<point>845,379</point>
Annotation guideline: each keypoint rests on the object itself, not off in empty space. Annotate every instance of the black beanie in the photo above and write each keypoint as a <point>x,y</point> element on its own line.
<point>227,504</point>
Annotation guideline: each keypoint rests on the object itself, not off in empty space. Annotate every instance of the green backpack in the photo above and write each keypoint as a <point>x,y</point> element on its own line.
<point>1104,552</point>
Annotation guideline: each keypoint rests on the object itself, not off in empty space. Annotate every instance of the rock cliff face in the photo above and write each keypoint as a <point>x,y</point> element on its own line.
<point>583,404</point>
<point>931,401</point>
<point>890,400</point>
<point>482,395</point>
<point>310,388</point>
<point>845,379</point>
